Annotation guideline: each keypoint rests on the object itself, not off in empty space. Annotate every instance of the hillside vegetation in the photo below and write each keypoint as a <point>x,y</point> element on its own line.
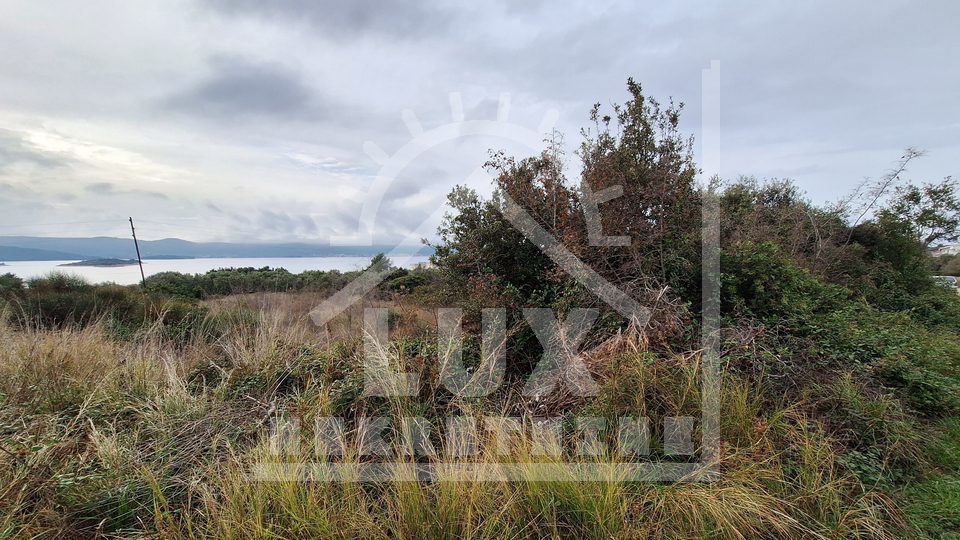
<point>131,413</point>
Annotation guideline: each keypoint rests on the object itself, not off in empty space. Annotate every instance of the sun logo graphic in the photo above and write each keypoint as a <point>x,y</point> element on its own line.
<point>560,364</point>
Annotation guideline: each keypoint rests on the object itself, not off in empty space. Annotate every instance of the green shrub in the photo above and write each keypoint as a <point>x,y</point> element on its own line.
<point>227,281</point>
<point>926,391</point>
<point>10,286</point>
<point>65,303</point>
<point>856,335</point>
<point>61,282</point>
<point>759,280</point>
<point>407,281</point>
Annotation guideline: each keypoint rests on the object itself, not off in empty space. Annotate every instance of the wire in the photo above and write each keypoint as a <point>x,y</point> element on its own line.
<point>182,225</point>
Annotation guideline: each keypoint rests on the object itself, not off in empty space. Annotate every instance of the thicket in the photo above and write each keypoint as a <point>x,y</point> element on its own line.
<point>226,281</point>
<point>831,306</point>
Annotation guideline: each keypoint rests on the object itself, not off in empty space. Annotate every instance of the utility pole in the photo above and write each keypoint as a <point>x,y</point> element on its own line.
<point>143,276</point>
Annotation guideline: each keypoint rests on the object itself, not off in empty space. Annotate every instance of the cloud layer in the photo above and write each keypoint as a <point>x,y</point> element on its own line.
<point>248,119</point>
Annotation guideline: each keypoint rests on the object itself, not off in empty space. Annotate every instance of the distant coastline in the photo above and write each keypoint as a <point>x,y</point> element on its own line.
<point>129,274</point>
<point>32,248</point>
<point>103,263</point>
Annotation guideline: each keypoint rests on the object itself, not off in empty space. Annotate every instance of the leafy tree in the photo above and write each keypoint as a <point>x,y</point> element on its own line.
<point>637,153</point>
<point>380,263</point>
<point>10,285</point>
<point>932,211</point>
<point>481,256</point>
<point>659,210</point>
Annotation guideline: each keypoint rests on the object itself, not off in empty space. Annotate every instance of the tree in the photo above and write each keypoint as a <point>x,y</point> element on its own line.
<point>380,263</point>
<point>482,258</point>
<point>11,286</point>
<point>659,209</point>
<point>634,218</point>
<point>931,211</point>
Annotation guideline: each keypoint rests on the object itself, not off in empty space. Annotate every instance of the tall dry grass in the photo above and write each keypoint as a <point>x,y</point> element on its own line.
<point>150,438</point>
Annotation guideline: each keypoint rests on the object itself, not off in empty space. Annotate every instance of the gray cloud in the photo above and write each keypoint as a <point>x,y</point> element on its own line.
<point>337,18</point>
<point>101,188</point>
<point>486,109</point>
<point>107,188</point>
<point>14,149</point>
<point>239,88</point>
<point>282,222</point>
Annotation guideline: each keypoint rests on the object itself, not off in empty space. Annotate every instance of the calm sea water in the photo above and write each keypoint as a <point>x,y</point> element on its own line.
<point>128,275</point>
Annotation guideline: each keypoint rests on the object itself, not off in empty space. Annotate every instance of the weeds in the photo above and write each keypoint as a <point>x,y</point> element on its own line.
<point>155,435</point>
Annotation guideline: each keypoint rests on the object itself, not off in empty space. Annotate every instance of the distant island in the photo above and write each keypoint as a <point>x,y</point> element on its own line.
<point>103,263</point>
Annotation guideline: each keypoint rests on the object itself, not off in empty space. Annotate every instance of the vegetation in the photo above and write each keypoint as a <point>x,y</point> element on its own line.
<point>227,281</point>
<point>130,413</point>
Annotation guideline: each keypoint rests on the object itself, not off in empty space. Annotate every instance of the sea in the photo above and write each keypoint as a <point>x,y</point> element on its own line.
<point>128,275</point>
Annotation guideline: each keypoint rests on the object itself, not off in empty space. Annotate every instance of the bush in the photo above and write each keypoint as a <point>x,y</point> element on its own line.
<point>408,281</point>
<point>61,301</point>
<point>61,282</point>
<point>227,281</point>
<point>926,391</point>
<point>759,280</point>
<point>10,286</point>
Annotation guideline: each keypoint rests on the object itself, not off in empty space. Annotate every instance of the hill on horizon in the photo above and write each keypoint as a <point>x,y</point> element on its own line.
<point>14,253</point>
<point>31,248</point>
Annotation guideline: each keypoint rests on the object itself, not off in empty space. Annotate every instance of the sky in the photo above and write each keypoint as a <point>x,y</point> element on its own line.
<point>298,120</point>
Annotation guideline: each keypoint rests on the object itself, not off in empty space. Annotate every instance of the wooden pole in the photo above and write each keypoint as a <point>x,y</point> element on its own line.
<point>143,276</point>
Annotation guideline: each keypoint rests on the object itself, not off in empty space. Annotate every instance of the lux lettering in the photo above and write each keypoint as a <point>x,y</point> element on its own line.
<point>560,362</point>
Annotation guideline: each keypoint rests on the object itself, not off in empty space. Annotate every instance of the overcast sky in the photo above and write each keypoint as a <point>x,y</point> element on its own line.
<point>240,120</point>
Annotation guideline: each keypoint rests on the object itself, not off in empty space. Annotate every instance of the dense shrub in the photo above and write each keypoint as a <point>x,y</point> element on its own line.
<point>59,300</point>
<point>227,281</point>
<point>10,285</point>
<point>65,301</point>
<point>407,282</point>
<point>759,280</point>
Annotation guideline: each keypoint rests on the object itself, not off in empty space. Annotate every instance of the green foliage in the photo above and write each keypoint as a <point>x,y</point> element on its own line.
<point>409,281</point>
<point>227,281</point>
<point>380,263</point>
<point>64,301</point>
<point>932,503</point>
<point>759,280</point>
<point>924,389</point>
<point>479,241</point>
<point>10,285</point>
<point>59,300</point>
<point>931,211</point>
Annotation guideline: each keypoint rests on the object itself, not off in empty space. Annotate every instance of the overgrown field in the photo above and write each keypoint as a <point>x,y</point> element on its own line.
<point>154,434</point>
<point>182,410</point>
